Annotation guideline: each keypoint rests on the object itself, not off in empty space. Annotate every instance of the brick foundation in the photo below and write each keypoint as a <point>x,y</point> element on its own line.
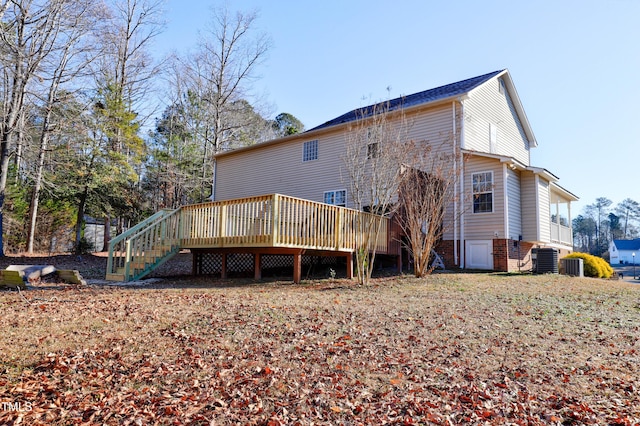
<point>511,255</point>
<point>508,255</point>
<point>446,250</point>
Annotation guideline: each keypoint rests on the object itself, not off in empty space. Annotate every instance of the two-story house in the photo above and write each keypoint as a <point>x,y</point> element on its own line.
<point>504,207</point>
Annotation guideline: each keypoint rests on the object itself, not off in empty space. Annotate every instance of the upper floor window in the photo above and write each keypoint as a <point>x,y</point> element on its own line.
<point>482,187</point>
<point>336,198</point>
<point>372,150</point>
<point>310,150</point>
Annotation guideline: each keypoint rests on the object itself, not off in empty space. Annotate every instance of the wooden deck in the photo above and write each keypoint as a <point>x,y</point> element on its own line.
<point>269,224</point>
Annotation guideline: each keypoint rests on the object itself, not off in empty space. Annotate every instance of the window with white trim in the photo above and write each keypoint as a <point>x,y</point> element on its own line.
<point>482,187</point>
<point>310,150</point>
<point>336,198</point>
<point>372,150</point>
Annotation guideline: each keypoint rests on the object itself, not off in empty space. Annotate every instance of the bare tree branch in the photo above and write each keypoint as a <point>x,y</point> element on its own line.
<point>425,198</point>
<point>374,155</point>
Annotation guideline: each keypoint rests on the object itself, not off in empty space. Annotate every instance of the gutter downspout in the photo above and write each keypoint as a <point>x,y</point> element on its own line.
<point>455,189</point>
<point>537,184</point>
<point>506,201</point>
<point>215,179</point>
<point>461,178</point>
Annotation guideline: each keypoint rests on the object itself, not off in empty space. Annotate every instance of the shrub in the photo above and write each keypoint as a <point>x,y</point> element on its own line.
<point>594,266</point>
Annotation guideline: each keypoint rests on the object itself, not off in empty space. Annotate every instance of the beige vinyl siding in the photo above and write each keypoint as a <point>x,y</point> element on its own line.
<point>483,226</point>
<point>544,210</point>
<point>278,168</point>
<point>529,210</point>
<point>485,107</point>
<point>453,209</point>
<point>433,126</point>
<point>514,204</point>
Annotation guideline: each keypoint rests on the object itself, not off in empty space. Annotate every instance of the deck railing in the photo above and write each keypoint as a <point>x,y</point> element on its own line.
<point>276,221</point>
<point>561,234</point>
<point>266,221</point>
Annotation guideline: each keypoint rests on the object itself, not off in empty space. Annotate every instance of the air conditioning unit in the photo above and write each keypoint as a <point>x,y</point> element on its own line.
<point>573,267</point>
<point>545,260</point>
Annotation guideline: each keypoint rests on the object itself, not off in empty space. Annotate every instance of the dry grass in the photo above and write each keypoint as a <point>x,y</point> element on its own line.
<point>447,349</point>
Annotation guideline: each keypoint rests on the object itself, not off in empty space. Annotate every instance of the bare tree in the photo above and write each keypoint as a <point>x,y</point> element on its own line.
<point>224,69</point>
<point>125,76</point>
<point>425,197</point>
<point>629,210</point>
<point>70,54</point>
<point>26,37</point>
<point>374,155</point>
<point>598,211</point>
<point>126,38</point>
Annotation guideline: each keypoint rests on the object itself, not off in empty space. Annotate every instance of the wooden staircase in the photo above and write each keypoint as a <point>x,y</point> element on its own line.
<point>144,247</point>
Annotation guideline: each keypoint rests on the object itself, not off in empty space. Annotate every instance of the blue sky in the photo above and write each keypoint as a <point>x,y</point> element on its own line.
<point>575,64</point>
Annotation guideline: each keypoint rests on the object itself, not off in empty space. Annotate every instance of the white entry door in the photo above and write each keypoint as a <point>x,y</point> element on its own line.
<point>479,254</point>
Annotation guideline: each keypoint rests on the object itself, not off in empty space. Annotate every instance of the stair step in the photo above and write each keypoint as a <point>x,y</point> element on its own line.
<point>114,277</point>
<point>155,253</point>
<point>142,263</point>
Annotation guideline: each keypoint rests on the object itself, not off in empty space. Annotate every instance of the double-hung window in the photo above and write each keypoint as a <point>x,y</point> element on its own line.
<point>372,150</point>
<point>482,186</point>
<point>336,198</point>
<point>310,150</point>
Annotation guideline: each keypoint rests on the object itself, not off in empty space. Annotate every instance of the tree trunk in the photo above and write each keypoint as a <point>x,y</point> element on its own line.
<point>80,218</point>
<point>37,184</point>
<point>8,127</point>
<point>4,168</point>
<point>107,233</point>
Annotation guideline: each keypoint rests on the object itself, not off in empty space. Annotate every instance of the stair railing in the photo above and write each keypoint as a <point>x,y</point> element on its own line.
<point>120,246</point>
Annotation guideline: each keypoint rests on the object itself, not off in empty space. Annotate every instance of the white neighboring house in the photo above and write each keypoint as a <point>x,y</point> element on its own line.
<point>622,251</point>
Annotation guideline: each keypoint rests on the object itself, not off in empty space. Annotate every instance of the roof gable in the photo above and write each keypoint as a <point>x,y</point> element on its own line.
<point>432,95</point>
<point>627,244</point>
<point>448,91</point>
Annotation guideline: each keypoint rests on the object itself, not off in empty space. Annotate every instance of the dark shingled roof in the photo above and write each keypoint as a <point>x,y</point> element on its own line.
<point>431,95</point>
<point>628,244</point>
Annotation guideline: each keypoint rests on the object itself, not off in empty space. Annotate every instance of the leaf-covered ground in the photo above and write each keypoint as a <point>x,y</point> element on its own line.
<point>448,349</point>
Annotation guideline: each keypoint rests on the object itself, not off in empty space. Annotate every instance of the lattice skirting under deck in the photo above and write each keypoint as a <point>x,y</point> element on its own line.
<point>242,264</point>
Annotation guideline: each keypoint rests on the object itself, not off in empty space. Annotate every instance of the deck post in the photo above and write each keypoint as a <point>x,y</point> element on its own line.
<point>257,266</point>
<point>223,270</point>
<point>195,258</point>
<point>127,260</point>
<point>350,265</point>
<point>297,267</point>
<point>275,219</point>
